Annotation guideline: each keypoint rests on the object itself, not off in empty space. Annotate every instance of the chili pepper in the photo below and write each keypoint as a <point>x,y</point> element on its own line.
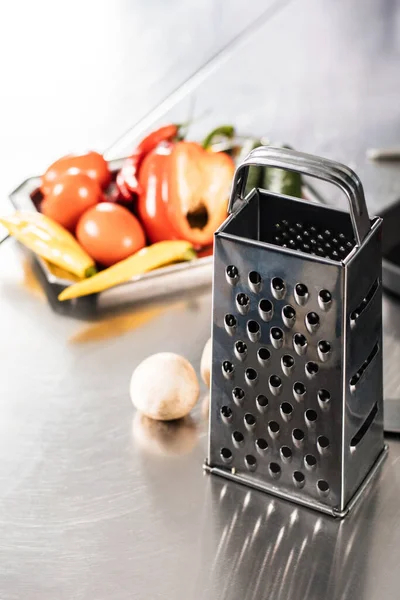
<point>127,178</point>
<point>185,192</point>
<point>144,260</point>
<point>50,241</point>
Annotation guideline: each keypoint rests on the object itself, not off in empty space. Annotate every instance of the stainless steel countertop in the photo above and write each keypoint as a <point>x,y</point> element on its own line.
<point>97,503</point>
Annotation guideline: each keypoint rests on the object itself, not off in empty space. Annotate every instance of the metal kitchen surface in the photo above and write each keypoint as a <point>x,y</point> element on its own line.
<point>98,503</point>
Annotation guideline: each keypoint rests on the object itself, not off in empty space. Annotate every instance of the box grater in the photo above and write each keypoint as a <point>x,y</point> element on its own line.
<point>296,394</point>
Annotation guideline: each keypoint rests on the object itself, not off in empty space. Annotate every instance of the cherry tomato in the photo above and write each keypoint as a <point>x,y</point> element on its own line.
<point>109,233</point>
<point>70,197</point>
<point>91,163</point>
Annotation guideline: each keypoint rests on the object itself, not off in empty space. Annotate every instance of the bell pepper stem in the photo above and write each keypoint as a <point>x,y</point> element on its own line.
<point>224,131</point>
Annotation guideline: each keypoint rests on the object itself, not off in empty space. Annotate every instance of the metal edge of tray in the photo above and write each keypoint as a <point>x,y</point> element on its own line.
<point>165,280</point>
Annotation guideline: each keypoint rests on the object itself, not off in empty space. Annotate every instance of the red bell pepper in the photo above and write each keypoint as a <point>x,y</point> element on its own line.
<point>184,192</point>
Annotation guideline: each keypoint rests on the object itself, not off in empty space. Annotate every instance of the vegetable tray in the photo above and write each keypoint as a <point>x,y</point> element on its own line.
<point>171,279</point>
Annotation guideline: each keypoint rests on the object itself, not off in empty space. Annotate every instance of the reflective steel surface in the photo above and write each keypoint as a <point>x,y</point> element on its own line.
<point>97,503</point>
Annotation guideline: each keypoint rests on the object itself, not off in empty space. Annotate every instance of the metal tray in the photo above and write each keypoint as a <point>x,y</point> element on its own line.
<point>164,281</point>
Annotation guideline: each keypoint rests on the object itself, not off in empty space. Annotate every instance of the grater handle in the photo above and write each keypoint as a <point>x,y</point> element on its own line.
<point>307,164</point>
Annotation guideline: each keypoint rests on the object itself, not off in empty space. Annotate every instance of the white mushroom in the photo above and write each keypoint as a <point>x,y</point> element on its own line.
<point>164,387</point>
<point>205,364</point>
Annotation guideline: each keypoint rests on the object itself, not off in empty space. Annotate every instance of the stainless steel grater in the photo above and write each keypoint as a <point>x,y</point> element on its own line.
<point>296,394</point>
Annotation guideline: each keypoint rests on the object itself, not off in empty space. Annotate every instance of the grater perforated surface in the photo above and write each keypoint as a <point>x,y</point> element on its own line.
<point>276,373</point>
<point>319,241</point>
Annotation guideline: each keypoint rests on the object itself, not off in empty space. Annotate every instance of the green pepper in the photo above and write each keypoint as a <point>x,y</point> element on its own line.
<point>281,181</point>
<point>255,174</point>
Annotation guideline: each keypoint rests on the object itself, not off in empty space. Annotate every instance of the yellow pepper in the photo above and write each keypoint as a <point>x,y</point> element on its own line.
<point>146,259</point>
<point>50,241</point>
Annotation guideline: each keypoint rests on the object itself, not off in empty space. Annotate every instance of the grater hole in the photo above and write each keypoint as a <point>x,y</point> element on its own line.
<point>230,321</point>
<point>324,396</point>
<point>274,470</point>
<point>325,296</point>
<point>226,413</point>
<point>226,454</point>
<point>254,278</point>
<point>262,402</point>
<point>250,419</point>
<point>242,299</point>
<point>312,319</point>
<point>323,486</point>
<point>298,478</point>
<point>287,361</point>
<point>253,327</point>
<point>266,309</point>
<point>286,408</point>
<point>250,462</point>
<point>323,442</point>
<point>238,437</point>
<point>324,350</point>
<point>276,333</point>
<point>300,343</point>
<point>253,330</point>
<point>301,290</point>
<point>232,273</point>
<point>311,415</point>
<point>275,384</point>
<point>298,435</point>
<point>228,367</point>
<point>312,368</point>
<point>251,374</point>
<point>310,461</point>
<point>262,444</point>
<point>299,391</point>
<point>240,347</point>
<point>278,284</point>
<point>273,428</point>
<point>263,355</point>
<point>275,381</point>
<point>265,305</point>
<point>243,302</point>
<point>238,395</point>
<point>289,311</point>
<point>324,347</point>
<point>286,452</point>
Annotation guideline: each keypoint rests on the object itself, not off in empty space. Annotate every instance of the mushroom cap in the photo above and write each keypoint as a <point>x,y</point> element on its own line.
<point>164,387</point>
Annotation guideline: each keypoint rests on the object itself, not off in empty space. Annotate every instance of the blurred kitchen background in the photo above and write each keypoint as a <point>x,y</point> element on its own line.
<point>320,75</point>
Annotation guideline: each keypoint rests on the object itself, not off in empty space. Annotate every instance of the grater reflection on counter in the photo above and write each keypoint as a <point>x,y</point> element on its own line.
<point>296,390</point>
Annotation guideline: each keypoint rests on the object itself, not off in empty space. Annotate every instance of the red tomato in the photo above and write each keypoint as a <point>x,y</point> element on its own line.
<point>109,233</point>
<point>91,163</point>
<point>70,197</point>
